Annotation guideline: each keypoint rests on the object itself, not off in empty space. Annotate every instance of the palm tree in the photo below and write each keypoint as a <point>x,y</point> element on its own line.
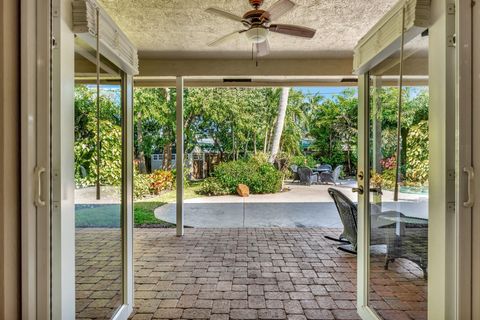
<point>282,110</point>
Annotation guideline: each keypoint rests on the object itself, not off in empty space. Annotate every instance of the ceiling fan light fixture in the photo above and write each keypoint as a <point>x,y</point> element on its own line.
<point>256,34</point>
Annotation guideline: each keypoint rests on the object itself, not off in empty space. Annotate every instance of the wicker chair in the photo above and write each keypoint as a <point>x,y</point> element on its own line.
<point>348,214</point>
<point>331,177</point>
<point>294,169</point>
<point>410,243</point>
<point>307,176</point>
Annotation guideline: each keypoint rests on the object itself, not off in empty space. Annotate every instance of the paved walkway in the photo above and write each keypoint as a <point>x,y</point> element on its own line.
<point>261,273</point>
<point>302,206</point>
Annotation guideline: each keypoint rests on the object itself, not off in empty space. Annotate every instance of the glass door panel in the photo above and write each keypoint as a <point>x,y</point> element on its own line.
<point>98,148</point>
<point>398,198</point>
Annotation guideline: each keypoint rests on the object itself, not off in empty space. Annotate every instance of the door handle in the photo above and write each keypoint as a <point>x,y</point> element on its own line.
<point>38,192</point>
<point>359,190</point>
<point>471,196</point>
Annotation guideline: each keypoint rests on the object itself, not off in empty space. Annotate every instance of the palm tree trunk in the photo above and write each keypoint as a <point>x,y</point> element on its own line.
<point>269,141</point>
<point>282,111</point>
<point>265,142</point>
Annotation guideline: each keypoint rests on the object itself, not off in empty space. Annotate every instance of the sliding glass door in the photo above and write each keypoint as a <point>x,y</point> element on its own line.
<point>101,174</point>
<point>394,187</point>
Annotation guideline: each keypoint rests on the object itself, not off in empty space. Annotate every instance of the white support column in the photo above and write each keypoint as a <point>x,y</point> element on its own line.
<point>127,181</point>
<point>179,156</point>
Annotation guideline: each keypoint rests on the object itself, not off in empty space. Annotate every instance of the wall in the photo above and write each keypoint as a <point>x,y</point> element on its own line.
<point>9,161</point>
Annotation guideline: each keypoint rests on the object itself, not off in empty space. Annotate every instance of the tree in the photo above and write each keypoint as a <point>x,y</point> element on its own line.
<point>333,125</point>
<point>86,132</point>
<point>282,110</point>
<point>147,103</point>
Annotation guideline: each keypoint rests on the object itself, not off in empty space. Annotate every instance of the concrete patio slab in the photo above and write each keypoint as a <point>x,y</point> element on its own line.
<point>302,206</point>
<point>251,214</point>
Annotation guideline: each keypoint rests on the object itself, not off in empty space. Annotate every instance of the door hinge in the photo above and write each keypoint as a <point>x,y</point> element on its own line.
<point>54,42</point>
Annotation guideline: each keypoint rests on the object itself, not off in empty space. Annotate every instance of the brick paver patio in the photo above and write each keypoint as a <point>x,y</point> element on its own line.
<point>261,273</point>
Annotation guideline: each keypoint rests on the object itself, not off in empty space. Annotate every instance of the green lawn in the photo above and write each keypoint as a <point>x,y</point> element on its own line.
<point>144,209</point>
<point>108,215</point>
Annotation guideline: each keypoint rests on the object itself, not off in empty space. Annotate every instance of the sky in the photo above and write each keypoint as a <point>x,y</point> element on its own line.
<point>327,92</point>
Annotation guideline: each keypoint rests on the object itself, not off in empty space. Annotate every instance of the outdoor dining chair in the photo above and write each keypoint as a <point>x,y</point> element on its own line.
<point>294,169</point>
<point>307,176</point>
<point>331,177</point>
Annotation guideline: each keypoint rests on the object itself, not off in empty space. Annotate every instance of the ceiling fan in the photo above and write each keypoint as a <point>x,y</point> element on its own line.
<point>258,24</point>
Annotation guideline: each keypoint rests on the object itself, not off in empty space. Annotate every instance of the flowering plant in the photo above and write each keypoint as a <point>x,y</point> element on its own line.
<point>389,163</point>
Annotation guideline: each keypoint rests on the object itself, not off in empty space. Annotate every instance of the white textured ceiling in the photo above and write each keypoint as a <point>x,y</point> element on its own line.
<point>181,29</point>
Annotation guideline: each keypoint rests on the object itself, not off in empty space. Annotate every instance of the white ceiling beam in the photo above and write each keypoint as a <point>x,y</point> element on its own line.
<point>193,83</point>
<point>239,67</point>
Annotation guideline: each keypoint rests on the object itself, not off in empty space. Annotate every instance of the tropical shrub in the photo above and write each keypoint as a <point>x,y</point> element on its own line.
<point>212,187</point>
<point>110,157</point>
<point>141,184</point>
<point>388,178</point>
<point>260,176</point>
<point>85,146</point>
<point>417,154</point>
<point>308,161</point>
<point>265,179</point>
<point>376,180</point>
<point>161,180</point>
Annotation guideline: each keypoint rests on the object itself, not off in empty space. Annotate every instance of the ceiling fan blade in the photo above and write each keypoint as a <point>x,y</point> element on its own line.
<point>224,14</point>
<point>292,30</point>
<point>278,9</point>
<point>223,39</point>
<point>263,48</point>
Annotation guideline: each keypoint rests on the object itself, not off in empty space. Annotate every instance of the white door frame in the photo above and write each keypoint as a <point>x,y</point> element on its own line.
<point>475,146</point>
<point>465,145</point>
<point>363,177</point>
<point>62,142</point>
<point>442,193</point>
<point>442,236</point>
<point>47,121</point>
<point>35,165</point>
